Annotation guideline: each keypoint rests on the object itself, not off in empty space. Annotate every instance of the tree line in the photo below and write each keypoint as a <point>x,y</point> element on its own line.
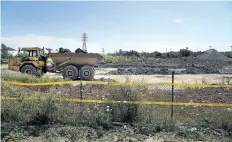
<point>173,54</point>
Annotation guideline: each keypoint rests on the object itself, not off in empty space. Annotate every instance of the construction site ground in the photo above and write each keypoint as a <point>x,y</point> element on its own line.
<point>155,78</point>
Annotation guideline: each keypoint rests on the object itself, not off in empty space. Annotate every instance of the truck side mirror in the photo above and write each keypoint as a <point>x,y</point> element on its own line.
<point>18,52</point>
<point>43,51</point>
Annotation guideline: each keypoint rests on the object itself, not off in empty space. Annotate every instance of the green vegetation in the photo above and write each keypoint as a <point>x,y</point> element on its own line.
<point>5,55</point>
<point>46,113</point>
<point>24,78</point>
<point>117,59</point>
<point>185,52</point>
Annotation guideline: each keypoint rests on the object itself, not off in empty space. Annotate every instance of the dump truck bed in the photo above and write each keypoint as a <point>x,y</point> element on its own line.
<point>75,58</point>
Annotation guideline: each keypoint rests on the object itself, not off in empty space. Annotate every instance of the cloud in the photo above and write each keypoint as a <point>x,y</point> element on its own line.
<point>178,20</point>
<point>141,43</point>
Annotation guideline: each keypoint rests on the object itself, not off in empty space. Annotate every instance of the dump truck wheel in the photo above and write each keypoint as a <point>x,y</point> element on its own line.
<point>70,72</point>
<point>29,69</point>
<point>86,73</point>
<point>44,70</point>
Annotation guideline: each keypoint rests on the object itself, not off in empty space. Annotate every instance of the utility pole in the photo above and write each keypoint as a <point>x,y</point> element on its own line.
<point>84,39</point>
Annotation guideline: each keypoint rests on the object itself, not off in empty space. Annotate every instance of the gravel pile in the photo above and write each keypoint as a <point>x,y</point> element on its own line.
<point>213,54</point>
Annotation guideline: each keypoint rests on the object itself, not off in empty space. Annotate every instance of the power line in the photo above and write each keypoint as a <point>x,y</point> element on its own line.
<point>84,39</point>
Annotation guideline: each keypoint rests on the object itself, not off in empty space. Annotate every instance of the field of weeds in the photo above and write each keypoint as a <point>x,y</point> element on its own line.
<point>46,119</point>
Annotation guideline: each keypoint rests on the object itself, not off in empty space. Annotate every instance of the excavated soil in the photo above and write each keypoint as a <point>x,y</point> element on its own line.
<point>189,65</point>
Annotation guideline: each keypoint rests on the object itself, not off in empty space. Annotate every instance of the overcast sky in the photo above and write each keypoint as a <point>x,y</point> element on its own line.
<point>141,26</point>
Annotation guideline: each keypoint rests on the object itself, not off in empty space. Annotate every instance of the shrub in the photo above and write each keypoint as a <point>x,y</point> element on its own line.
<point>117,59</point>
<point>185,52</point>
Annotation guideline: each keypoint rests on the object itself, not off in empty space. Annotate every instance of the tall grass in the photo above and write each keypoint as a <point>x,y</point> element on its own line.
<point>24,78</point>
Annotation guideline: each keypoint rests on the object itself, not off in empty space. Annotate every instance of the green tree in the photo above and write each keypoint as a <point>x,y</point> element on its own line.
<point>185,52</point>
<point>4,51</point>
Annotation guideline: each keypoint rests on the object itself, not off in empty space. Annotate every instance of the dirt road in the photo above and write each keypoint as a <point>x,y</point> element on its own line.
<point>193,79</point>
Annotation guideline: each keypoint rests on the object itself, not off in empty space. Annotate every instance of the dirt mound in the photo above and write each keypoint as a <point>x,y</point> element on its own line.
<point>213,54</point>
<point>140,70</point>
<point>210,62</point>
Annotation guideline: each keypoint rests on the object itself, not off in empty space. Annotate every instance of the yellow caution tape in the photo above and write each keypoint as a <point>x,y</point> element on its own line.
<point>53,83</point>
<point>129,102</point>
<point>119,84</point>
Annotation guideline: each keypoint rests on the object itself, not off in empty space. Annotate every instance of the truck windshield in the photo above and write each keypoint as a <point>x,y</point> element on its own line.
<point>34,53</point>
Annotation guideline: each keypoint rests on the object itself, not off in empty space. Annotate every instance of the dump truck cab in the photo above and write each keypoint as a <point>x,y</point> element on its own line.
<point>30,60</point>
<point>32,52</point>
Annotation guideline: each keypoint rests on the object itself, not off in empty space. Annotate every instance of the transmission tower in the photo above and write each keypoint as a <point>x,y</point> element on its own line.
<point>84,39</point>
<point>103,51</point>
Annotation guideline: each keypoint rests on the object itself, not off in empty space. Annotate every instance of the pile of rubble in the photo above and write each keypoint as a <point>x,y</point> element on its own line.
<point>213,54</point>
<point>210,62</point>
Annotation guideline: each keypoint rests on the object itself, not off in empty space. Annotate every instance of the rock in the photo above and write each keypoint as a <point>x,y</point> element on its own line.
<point>132,139</point>
<point>115,138</point>
<point>216,133</point>
<point>126,139</point>
<point>193,129</point>
<point>145,131</point>
<point>150,139</point>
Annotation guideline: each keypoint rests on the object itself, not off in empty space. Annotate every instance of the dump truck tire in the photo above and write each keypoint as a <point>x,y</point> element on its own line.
<point>70,73</point>
<point>29,69</point>
<point>86,73</point>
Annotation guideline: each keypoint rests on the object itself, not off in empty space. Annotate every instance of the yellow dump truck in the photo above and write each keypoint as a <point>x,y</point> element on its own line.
<point>78,65</point>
